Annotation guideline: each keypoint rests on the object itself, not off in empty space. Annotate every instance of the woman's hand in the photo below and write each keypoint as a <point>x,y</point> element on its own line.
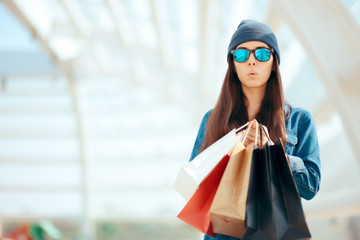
<point>251,135</point>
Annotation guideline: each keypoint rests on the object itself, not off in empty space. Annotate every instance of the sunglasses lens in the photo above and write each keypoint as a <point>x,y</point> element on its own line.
<point>241,55</point>
<point>262,54</point>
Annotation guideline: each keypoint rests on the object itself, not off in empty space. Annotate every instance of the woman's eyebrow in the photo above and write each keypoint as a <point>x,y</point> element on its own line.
<point>250,49</point>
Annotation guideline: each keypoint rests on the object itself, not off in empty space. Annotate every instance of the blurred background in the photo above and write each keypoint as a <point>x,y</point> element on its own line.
<point>101,100</point>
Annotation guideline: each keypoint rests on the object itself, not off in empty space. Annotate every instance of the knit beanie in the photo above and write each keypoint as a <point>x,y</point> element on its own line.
<point>251,30</point>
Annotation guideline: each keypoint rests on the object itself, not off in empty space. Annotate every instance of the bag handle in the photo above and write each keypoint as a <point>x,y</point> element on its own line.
<point>241,128</point>
<point>260,130</point>
<point>261,135</point>
<point>264,129</point>
<point>256,135</point>
<point>266,132</point>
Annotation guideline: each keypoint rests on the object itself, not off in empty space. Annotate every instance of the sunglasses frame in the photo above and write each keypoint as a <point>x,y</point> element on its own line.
<point>252,51</point>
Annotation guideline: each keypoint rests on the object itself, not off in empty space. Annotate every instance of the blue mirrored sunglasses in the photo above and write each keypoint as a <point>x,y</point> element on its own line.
<point>261,54</point>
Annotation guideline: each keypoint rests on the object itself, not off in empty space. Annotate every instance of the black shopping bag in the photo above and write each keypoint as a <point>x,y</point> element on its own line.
<point>273,206</point>
<point>290,221</point>
<point>259,217</point>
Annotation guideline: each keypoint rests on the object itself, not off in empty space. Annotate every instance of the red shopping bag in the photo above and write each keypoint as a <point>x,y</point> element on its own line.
<point>196,211</point>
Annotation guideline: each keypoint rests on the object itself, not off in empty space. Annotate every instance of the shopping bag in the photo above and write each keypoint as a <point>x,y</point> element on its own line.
<point>228,208</point>
<point>273,207</point>
<point>290,222</point>
<point>193,173</point>
<point>259,220</point>
<point>196,211</point>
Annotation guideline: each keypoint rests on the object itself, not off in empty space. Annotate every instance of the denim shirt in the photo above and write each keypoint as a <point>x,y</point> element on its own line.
<point>302,148</point>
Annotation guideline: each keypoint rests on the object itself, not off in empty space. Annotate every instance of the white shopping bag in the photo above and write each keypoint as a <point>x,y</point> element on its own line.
<point>193,173</point>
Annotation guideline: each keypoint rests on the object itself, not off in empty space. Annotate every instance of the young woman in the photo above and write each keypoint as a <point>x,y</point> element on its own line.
<point>252,89</point>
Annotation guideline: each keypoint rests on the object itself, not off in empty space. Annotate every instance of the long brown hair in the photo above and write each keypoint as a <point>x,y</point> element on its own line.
<point>231,108</point>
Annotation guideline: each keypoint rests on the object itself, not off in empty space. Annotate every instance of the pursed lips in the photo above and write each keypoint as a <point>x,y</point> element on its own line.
<point>252,74</point>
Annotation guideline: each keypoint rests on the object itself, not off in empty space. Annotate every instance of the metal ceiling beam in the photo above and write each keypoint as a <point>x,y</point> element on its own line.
<point>17,11</point>
<point>323,111</point>
<point>82,26</point>
<point>122,23</point>
<point>124,32</point>
<point>161,20</point>
<point>80,107</point>
<point>207,40</point>
<point>204,29</point>
<point>327,29</point>
<point>24,19</point>
<point>3,83</point>
<point>273,20</point>
<point>77,17</point>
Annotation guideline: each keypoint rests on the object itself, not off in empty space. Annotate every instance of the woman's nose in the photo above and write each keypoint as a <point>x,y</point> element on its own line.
<point>252,60</point>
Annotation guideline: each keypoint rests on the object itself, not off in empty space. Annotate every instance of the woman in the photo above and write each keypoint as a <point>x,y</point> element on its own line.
<point>252,89</point>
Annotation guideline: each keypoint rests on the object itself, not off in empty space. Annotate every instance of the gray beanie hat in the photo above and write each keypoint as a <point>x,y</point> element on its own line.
<point>251,30</point>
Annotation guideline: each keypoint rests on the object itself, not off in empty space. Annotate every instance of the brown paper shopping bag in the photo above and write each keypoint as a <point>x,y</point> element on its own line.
<point>228,208</point>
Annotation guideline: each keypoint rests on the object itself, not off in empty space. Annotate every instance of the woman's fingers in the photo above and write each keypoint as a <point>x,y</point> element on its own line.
<point>240,133</point>
<point>263,142</point>
<point>251,134</point>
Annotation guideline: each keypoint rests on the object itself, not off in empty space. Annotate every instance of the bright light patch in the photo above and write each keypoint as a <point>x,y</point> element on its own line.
<point>66,47</point>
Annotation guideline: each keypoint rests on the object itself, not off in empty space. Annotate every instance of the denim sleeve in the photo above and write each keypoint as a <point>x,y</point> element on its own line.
<point>305,164</point>
<point>200,136</point>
